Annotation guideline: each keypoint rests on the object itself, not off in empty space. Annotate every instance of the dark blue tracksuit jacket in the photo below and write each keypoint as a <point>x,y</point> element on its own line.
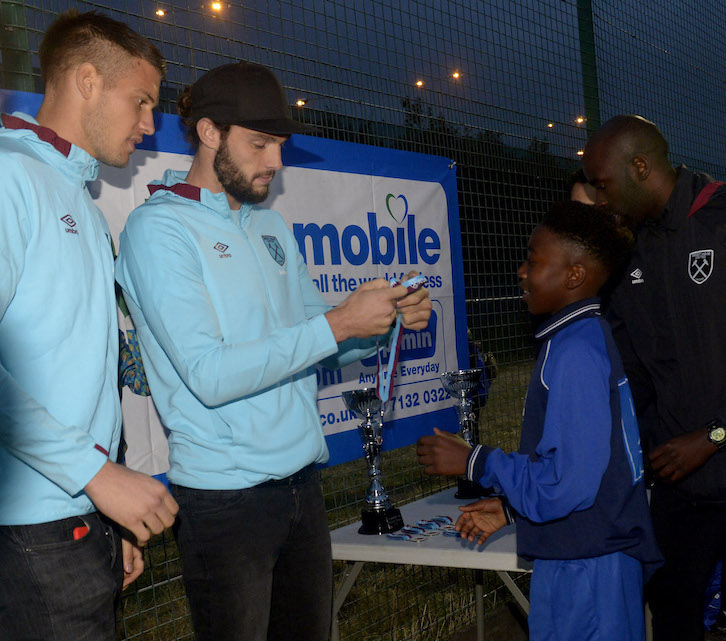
<point>576,482</point>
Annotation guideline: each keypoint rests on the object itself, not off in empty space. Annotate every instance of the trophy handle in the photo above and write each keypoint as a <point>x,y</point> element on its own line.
<point>468,420</point>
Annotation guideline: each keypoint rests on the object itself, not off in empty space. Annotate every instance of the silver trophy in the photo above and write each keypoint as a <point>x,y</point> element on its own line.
<point>460,384</point>
<point>379,516</point>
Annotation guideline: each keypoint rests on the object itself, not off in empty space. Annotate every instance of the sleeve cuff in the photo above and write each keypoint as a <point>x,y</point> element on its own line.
<point>85,469</point>
<point>471,463</point>
<point>508,512</point>
<point>322,330</point>
<point>476,465</point>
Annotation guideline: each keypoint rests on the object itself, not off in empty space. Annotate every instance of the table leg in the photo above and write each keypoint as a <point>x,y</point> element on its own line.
<point>349,577</point>
<point>479,602</point>
<point>514,589</point>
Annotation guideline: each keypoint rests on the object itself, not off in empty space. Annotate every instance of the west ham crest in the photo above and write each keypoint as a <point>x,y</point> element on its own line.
<point>275,249</point>
<point>700,265</point>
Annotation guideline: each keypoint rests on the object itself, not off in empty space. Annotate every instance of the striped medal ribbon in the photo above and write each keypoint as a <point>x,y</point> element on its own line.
<point>384,378</point>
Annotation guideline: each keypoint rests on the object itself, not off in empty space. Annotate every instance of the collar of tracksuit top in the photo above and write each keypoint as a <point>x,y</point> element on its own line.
<point>573,312</point>
<point>79,160</point>
<point>687,187</point>
<point>174,182</point>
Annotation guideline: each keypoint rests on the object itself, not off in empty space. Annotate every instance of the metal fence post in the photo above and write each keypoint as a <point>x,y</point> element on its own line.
<point>588,60</point>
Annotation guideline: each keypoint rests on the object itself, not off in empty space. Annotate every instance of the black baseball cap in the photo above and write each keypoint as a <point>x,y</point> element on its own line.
<point>245,94</point>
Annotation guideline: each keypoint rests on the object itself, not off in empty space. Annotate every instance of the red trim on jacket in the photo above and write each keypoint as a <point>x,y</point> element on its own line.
<point>44,133</point>
<point>180,189</point>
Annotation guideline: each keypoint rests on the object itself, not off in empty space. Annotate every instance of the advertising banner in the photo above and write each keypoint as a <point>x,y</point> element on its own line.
<point>358,212</point>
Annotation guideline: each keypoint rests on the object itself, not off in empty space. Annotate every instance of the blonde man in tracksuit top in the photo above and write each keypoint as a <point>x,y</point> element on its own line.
<point>60,419</point>
<point>230,325</point>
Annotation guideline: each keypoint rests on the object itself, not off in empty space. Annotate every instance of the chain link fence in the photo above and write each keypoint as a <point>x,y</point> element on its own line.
<point>509,89</point>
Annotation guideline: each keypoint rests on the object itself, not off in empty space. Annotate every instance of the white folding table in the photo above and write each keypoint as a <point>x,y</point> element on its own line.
<point>498,553</point>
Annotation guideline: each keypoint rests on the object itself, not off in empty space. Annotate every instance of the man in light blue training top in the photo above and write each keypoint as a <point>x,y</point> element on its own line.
<point>230,325</point>
<point>60,418</point>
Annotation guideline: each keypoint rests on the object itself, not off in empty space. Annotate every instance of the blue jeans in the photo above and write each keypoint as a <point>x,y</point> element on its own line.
<point>55,588</point>
<point>257,562</point>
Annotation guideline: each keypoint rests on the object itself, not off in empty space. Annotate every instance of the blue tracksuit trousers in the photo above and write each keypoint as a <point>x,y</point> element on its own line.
<point>595,599</point>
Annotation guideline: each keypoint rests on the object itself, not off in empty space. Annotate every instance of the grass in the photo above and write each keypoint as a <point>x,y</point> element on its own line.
<point>388,602</point>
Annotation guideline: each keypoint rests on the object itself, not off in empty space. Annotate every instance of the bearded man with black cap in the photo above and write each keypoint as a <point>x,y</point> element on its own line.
<point>230,325</point>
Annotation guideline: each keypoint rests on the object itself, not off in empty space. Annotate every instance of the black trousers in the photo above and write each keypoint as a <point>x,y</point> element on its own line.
<point>257,562</point>
<point>692,537</point>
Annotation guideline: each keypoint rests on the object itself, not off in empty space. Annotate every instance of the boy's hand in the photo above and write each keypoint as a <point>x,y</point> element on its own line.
<point>443,453</point>
<point>481,519</point>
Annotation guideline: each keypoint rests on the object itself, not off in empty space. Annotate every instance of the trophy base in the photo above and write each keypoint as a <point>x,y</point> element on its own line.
<point>471,489</point>
<point>380,521</point>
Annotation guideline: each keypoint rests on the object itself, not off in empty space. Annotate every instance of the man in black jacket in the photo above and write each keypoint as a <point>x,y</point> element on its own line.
<point>668,311</point>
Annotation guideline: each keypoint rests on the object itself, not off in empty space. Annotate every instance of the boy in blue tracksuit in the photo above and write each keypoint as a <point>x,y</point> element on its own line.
<point>576,484</point>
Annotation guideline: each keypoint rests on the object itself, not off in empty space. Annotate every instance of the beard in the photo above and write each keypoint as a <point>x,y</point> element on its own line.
<point>235,183</point>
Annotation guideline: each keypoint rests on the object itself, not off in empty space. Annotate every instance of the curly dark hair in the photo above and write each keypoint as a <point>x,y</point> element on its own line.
<point>184,109</point>
<point>599,231</point>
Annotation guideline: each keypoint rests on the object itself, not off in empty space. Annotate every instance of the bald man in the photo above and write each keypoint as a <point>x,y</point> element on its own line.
<point>669,320</point>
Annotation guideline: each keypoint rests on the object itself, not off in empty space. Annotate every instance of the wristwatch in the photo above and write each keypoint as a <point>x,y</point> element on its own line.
<point>717,434</point>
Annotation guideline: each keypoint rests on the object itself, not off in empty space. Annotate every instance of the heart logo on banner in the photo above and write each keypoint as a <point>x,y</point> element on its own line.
<point>399,211</point>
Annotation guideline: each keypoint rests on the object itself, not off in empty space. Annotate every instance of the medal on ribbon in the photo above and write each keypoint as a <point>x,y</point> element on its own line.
<point>384,377</point>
